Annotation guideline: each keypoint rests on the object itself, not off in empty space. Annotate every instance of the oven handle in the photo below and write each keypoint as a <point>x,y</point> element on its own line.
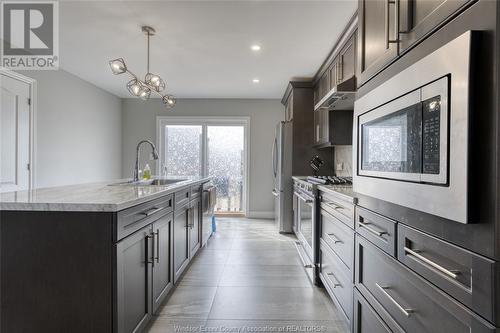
<point>299,251</point>
<point>306,200</point>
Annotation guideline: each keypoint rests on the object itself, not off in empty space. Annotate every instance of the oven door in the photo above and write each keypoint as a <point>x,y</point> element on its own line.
<point>305,215</point>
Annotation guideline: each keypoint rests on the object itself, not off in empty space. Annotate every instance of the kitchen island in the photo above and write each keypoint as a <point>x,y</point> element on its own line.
<point>94,257</point>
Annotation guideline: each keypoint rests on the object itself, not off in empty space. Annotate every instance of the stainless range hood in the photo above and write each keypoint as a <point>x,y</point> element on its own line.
<point>341,97</point>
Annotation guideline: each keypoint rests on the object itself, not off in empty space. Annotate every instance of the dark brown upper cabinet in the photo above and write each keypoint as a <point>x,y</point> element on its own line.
<point>343,66</point>
<point>289,108</point>
<point>419,17</point>
<point>324,85</point>
<point>377,36</point>
<point>346,67</point>
<point>386,28</point>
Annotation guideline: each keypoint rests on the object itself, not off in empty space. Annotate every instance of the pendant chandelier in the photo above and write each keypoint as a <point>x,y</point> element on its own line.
<point>151,83</point>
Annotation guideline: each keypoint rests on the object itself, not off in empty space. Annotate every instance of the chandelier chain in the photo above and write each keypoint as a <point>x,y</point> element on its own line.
<point>148,55</point>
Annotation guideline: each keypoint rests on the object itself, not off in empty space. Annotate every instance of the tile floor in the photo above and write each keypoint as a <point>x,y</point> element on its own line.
<point>248,279</point>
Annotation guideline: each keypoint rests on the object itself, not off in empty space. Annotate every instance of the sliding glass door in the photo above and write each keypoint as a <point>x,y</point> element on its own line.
<point>183,150</point>
<point>226,164</point>
<point>208,147</point>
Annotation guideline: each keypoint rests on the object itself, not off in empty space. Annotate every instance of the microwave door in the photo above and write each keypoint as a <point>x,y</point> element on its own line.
<point>390,140</point>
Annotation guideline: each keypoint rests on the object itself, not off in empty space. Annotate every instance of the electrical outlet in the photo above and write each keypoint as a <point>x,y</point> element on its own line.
<point>340,166</point>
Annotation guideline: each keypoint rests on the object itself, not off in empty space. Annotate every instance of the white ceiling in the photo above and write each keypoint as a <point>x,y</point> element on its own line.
<point>202,48</point>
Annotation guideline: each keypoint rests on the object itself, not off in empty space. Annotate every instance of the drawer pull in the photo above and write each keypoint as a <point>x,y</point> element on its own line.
<point>370,229</point>
<point>334,205</point>
<point>451,273</point>
<point>334,238</point>
<point>152,211</point>
<point>406,312</point>
<point>335,281</point>
<point>299,251</point>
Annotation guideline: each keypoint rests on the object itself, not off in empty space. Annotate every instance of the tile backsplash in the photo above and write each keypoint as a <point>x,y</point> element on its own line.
<point>343,154</point>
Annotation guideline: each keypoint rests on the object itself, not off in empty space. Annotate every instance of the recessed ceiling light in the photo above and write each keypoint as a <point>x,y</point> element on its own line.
<point>255,80</point>
<point>255,47</point>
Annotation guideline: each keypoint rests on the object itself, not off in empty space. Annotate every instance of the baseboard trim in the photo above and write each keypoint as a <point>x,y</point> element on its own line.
<point>260,215</point>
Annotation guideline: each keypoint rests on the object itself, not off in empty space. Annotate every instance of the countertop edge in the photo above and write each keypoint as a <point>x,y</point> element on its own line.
<point>352,199</point>
<point>95,207</point>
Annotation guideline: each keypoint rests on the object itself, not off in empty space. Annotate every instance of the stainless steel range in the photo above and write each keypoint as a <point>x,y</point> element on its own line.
<point>304,211</point>
<point>305,226</point>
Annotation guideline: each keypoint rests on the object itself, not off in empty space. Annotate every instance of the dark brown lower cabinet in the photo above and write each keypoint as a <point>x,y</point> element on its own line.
<point>134,257</point>
<point>162,268</point>
<point>337,280</point>
<point>366,319</point>
<point>181,240</point>
<point>411,301</point>
<point>144,275</point>
<point>96,272</point>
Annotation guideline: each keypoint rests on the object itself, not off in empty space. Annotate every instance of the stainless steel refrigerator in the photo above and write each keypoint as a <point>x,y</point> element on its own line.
<point>282,175</point>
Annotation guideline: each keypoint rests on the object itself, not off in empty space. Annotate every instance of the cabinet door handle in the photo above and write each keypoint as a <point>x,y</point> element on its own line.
<point>405,311</point>
<point>334,238</point>
<point>192,218</point>
<point>335,281</point>
<point>152,211</point>
<point>448,272</point>
<point>388,4</point>
<point>371,230</point>
<point>157,233</point>
<point>149,260</point>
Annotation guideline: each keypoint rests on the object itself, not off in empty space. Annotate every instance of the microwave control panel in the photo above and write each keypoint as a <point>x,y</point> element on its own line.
<point>431,124</point>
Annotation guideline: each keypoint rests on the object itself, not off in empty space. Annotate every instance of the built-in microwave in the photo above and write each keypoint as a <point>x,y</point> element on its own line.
<point>407,138</point>
<point>412,134</point>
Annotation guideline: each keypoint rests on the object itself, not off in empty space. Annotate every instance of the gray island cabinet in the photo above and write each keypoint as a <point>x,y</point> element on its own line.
<point>94,258</point>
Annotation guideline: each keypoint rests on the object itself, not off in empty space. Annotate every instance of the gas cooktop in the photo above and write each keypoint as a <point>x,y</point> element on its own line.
<point>330,180</point>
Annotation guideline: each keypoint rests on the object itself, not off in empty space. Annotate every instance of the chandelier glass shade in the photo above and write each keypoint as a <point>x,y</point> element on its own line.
<point>151,83</point>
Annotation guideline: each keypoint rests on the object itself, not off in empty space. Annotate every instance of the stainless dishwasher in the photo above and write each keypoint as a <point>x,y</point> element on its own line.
<point>208,204</point>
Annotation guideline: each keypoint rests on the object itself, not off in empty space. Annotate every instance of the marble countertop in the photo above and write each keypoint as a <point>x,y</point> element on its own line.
<point>93,197</point>
<point>345,192</point>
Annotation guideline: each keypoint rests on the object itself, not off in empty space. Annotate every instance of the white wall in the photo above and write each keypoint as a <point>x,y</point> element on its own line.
<point>139,122</point>
<point>78,131</point>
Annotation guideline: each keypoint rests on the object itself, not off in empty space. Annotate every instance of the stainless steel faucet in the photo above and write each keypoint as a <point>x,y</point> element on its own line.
<point>136,167</point>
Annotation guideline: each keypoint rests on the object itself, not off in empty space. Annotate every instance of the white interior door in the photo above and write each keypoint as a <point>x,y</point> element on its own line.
<point>14,135</point>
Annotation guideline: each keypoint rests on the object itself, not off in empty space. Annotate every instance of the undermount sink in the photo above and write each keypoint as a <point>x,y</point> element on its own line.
<point>151,182</point>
